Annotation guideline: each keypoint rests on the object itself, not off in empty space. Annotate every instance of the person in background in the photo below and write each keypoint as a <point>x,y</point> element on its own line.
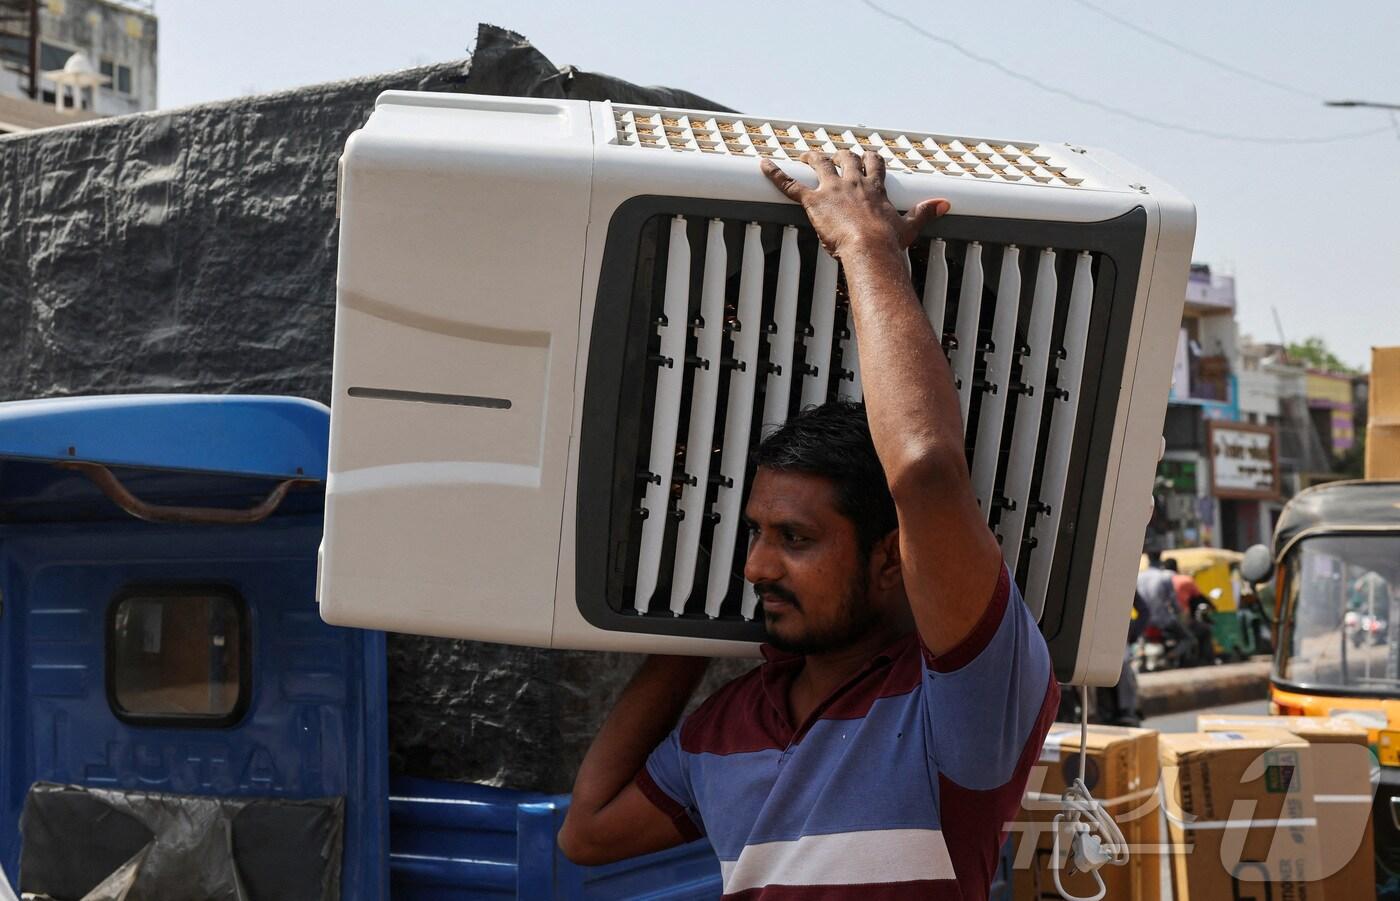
<point>1158,591</point>
<point>1201,622</point>
<point>1117,705</point>
<point>1185,586</point>
<point>1196,609</point>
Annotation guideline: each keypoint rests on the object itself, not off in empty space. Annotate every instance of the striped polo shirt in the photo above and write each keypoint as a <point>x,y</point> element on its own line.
<point>898,785</point>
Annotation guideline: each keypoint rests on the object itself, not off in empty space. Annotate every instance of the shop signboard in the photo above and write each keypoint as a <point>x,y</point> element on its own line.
<point>1243,460</point>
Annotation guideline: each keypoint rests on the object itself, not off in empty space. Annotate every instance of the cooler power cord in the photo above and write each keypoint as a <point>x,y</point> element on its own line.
<point>1084,817</point>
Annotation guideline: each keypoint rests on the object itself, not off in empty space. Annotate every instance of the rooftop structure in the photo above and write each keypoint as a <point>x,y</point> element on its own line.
<point>82,58</point>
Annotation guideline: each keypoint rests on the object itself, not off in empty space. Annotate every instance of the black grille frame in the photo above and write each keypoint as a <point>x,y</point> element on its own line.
<point>615,426</point>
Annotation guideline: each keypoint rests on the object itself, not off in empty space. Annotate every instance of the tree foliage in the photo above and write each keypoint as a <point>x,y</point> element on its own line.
<point>1314,353</point>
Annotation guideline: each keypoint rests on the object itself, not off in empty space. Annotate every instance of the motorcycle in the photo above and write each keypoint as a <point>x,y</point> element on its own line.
<point>1157,651</point>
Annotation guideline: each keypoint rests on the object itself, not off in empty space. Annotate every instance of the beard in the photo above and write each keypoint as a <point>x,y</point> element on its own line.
<point>853,620</point>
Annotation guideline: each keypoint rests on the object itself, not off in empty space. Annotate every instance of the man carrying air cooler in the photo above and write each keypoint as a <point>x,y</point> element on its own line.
<point>886,741</point>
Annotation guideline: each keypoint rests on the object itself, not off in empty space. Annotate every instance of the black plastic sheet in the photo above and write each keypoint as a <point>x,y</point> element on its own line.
<point>195,251</point>
<point>82,844</point>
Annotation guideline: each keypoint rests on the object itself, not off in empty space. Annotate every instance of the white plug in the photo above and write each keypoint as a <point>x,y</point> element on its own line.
<point>1087,849</point>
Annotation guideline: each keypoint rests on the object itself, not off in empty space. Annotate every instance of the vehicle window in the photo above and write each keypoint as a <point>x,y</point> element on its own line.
<point>1342,610</point>
<point>177,655</point>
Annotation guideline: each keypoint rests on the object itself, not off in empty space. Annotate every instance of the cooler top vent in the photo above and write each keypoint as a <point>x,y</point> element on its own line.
<point>904,151</point>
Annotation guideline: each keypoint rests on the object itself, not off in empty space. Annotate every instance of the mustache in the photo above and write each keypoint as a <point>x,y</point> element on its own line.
<point>774,590</point>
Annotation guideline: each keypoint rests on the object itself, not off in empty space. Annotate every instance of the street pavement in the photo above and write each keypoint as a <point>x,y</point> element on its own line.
<point>1186,722</point>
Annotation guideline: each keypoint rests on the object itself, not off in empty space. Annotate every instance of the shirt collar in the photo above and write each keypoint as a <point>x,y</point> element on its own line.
<point>780,668</point>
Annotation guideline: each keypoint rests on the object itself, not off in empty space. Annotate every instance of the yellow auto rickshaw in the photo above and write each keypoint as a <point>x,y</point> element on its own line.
<point>1335,567</point>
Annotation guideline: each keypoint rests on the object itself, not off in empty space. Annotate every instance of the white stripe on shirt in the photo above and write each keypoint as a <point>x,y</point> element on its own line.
<point>842,858</point>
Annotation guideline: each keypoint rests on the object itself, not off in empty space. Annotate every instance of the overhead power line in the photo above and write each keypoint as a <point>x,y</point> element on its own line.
<point>1109,108</point>
<point>1196,54</point>
<point>1393,109</point>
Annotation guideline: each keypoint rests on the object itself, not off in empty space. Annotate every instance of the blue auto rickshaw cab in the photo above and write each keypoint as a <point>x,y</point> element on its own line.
<point>173,711</point>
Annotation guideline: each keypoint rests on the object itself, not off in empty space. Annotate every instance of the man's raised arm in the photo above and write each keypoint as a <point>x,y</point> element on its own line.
<point>950,559</point>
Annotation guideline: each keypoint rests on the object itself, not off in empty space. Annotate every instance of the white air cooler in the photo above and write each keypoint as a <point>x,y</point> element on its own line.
<point>561,326</point>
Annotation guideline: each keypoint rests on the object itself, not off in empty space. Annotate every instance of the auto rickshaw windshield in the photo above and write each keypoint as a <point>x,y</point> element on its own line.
<point>1341,614</point>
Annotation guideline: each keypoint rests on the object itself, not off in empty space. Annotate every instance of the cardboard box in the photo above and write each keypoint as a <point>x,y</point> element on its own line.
<point>1383,401</point>
<point>1122,773</point>
<point>1383,449</point>
<point>1341,792</point>
<point>1239,819</point>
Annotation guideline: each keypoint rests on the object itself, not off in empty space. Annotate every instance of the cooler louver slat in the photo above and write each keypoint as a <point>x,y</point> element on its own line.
<point>964,357</point>
<point>780,343</point>
<point>850,388</point>
<point>996,385</point>
<point>1025,430</point>
<point>738,414</point>
<point>709,330</point>
<point>936,286</point>
<point>671,371</point>
<point>1065,401</point>
<point>817,372</point>
<point>567,460</point>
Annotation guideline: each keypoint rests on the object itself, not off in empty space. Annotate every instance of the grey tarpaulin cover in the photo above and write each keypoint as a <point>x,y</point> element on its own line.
<point>113,845</point>
<point>195,251</point>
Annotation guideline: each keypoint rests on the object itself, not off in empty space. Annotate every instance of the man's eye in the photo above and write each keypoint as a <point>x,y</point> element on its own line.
<point>794,538</point>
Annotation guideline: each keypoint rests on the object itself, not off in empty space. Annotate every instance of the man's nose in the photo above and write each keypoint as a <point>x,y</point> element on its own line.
<point>762,564</point>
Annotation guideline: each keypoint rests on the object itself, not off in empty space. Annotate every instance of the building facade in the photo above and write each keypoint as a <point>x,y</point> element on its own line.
<point>1238,429</point>
<point>1205,389</point>
<point>1245,430</point>
<point>1331,403</point>
<point>119,37</point>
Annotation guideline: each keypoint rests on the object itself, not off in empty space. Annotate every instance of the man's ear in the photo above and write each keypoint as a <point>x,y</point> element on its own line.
<point>885,569</point>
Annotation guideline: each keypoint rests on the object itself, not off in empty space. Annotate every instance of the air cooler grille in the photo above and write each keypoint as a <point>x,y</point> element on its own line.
<point>715,321</point>
<point>977,158</point>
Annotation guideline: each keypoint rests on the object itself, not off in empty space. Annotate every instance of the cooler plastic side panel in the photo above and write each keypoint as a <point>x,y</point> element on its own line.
<point>451,405</point>
<point>1137,435</point>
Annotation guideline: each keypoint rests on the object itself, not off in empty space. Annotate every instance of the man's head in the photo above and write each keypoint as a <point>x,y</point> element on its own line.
<point>1169,563</point>
<point>824,551</point>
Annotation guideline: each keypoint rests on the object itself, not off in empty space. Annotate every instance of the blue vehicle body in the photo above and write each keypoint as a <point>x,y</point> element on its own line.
<point>451,841</point>
<point>313,722</point>
<point>311,719</point>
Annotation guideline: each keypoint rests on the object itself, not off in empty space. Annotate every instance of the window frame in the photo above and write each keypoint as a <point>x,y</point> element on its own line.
<point>245,657</point>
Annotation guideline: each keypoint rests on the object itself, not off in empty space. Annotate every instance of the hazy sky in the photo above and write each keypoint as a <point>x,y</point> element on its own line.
<point>1309,229</point>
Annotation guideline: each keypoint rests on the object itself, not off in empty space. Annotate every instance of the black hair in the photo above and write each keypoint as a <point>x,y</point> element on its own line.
<point>833,441</point>
<point>1170,563</point>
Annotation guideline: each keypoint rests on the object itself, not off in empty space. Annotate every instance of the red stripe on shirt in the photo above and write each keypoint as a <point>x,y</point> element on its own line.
<point>902,676</point>
<point>668,805</point>
<point>750,713</point>
<point>735,720</point>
